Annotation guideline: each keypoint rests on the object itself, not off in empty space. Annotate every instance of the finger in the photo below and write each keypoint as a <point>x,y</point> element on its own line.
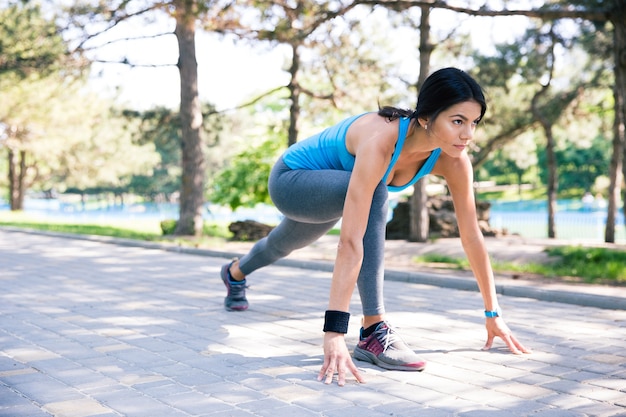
<point>521,347</point>
<point>341,377</point>
<point>320,376</point>
<point>357,374</point>
<point>508,339</point>
<point>329,372</point>
<point>488,343</point>
<point>329,377</point>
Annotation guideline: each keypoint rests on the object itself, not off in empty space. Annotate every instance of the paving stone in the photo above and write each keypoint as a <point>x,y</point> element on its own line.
<point>93,328</point>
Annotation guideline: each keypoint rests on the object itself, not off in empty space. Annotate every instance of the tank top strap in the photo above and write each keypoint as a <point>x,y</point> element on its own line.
<point>402,130</point>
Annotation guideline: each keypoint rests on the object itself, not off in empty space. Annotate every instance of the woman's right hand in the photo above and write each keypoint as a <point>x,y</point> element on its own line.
<point>337,359</point>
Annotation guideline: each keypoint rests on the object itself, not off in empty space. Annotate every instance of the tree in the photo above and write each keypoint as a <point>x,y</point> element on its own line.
<point>29,43</point>
<point>419,218</point>
<point>97,20</point>
<point>192,187</point>
<point>68,137</point>
<point>31,47</point>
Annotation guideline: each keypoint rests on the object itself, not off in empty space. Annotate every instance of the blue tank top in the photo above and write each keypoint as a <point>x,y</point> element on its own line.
<point>327,150</point>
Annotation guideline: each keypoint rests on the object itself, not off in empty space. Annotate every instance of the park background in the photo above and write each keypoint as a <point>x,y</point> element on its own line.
<point>145,111</point>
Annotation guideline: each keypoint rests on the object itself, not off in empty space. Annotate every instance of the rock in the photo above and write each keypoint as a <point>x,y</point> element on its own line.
<point>249,230</point>
<point>442,219</point>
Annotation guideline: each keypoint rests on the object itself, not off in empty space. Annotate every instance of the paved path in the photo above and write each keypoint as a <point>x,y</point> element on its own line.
<point>89,328</point>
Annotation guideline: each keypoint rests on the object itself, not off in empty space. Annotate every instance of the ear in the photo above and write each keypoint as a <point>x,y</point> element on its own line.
<point>423,121</point>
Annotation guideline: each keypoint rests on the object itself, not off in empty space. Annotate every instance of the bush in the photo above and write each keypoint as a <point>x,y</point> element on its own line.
<point>592,264</point>
<point>168,227</point>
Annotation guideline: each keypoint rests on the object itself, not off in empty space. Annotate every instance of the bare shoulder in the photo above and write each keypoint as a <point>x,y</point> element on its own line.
<point>372,131</point>
<point>454,169</point>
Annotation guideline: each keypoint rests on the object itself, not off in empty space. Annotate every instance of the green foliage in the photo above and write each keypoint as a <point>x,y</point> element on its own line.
<point>578,167</point>
<point>593,265</point>
<point>84,229</point>
<point>243,183</point>
<point>168,227</point>
<point>73,138</point>
<point>124,230</point>
<point>69,136</point>
<point>29,43</point>
<point>435,258</point>
<point>161,128</point>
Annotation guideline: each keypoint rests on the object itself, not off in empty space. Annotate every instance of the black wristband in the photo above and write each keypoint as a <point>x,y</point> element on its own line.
<point>336,321</point>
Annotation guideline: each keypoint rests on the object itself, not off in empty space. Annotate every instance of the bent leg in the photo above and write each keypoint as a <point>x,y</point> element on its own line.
<point>288,236</point>
<point>312,203</point>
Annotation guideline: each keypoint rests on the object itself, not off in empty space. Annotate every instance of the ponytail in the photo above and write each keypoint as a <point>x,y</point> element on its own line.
<point>393,113</point>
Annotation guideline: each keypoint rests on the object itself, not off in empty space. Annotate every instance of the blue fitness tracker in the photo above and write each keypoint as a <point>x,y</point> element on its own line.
<point>493,313</point>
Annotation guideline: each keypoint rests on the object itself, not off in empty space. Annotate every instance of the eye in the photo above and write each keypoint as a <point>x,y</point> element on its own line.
<point>457,121</point>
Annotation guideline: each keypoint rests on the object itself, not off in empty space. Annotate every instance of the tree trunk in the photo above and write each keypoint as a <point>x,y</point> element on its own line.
<point>615,175</point>
<point>192,187</point>
<point>618,18</point>
<point>419,221</point>
<point>552,181</point>
<point>17,171</point>
<point>294,95</point>
<point>546,125</point>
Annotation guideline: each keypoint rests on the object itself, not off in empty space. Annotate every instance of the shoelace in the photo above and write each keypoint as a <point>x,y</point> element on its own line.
<point>388,337</point>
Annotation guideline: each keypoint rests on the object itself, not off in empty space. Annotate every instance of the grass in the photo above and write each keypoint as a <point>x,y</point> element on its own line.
<point>590,265</point>
<point>135,229</point>
<point>86,229</point>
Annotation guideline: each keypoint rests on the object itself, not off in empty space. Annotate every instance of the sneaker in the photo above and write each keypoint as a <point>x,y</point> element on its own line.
<point>236,298</point>
<point>386,349</point>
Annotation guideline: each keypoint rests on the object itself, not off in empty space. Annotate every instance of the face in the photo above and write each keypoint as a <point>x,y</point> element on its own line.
<point>454,128</point>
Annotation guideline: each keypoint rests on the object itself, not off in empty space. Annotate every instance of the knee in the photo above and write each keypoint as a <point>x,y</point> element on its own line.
<point>275,249</point>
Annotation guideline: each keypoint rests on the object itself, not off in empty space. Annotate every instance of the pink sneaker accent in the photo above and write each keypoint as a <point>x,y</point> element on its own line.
<point>386,349</point>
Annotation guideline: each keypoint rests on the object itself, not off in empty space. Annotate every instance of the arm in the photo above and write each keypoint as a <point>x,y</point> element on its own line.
<point>460,186</point>
<point>372,154</point>
<point>460,181</point>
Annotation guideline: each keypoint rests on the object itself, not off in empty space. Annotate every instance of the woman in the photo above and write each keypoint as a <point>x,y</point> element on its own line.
<point>345,172</point>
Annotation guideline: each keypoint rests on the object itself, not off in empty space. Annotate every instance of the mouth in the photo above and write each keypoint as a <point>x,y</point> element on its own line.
<point>459,147</point>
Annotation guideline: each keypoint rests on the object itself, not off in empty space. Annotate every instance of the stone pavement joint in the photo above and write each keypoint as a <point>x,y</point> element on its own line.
<point>90,328</point>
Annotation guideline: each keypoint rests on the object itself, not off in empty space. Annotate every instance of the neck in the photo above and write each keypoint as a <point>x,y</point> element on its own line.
<point>418,139</point>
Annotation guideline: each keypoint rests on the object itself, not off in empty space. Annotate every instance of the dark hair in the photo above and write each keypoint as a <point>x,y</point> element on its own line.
<point>442,89</point>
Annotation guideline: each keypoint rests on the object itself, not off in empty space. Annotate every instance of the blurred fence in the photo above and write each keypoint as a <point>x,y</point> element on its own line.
<point>573,220</point>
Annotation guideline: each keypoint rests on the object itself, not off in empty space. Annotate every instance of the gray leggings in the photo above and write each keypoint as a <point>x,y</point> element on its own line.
<point>312,203</point>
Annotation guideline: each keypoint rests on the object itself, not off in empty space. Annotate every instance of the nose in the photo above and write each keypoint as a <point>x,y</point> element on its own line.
<point>467,134</point>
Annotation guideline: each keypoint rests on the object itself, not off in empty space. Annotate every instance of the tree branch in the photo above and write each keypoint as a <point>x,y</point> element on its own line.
<point>251,102</point>
<point>126,39</point>
<point>543,13</point>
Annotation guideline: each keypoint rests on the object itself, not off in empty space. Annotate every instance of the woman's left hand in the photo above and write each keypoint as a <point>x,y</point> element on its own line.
<point>496,327</point>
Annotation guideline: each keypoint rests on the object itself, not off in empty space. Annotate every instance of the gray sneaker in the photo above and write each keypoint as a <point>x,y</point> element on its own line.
<point>236,298</point>
<point>386,349</point>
